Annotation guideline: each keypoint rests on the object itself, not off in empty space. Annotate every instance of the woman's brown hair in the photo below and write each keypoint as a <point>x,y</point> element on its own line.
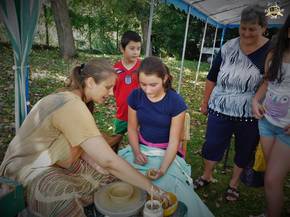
<point>99,69</point>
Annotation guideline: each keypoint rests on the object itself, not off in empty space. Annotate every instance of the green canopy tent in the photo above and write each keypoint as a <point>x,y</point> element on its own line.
<point>20,19</point>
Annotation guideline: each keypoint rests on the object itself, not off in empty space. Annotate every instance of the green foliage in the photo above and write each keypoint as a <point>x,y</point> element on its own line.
<point>105,45</point>
<point>98,26</point>
<point>49,16</point>
<point>101,23</point>
<point>169,29</point>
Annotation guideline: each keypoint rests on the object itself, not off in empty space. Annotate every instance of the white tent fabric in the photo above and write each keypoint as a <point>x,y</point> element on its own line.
<point>226,13</point>
<point>20,18</point>
<point>222,14</point>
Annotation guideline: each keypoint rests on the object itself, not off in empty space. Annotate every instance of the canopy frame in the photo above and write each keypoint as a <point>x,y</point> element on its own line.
<point>20,18</point>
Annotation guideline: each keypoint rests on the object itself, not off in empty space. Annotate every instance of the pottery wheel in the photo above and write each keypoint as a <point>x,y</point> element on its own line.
<point>106,206</point>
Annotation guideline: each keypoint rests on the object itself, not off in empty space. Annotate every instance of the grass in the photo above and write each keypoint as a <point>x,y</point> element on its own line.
<point>48,72</point>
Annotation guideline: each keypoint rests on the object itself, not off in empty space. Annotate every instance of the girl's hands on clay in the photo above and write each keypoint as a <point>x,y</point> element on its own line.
<point>154,173</point>
<point>140,158</point>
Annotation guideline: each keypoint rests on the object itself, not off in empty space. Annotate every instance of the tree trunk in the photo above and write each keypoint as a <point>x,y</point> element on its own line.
<point>90,36</point>
<point>117,37</point>
<point>46,25</point>
<point>144,27</point>
<point>64,28</point>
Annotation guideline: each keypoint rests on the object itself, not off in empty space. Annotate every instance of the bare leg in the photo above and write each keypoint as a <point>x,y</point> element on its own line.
<point>277,168</point>
<point>208,168</point>
<point>267,144</point>
<point>236,176</point>
<point>232,194</point>
<point>113,141</point>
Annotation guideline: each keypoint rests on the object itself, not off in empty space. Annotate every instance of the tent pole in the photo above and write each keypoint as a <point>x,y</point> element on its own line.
<point>223,35</point>
<point>200,54</point>
<point>27,71</point>
<point>149,28</point>
<point>184,48</point>
<point>213,47</point>
<point>20,19</point>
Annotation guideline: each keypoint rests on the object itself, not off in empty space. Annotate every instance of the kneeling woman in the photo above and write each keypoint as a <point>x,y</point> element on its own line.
<point>155,123</point>
<point>45,154</point>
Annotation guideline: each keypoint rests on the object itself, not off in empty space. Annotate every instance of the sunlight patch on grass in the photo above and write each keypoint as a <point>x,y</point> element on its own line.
<point>42,74</point>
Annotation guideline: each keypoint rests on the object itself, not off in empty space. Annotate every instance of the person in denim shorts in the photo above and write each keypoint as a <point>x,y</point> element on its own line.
<point>271,105</point>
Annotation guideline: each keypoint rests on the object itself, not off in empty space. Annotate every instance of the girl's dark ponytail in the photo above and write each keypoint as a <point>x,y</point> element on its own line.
<point>168,83</point>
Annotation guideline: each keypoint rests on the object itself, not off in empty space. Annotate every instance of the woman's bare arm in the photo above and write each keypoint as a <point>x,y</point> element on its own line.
<point>98,149</point>
<point>209,86</point>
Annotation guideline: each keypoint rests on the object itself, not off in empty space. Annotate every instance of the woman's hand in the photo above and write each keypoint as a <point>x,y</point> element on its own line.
<point>287,130</point>
<point>203,108</point>
<point>258,109</point>
<point>160,195</point>
<point>140,158</point>
<point>154,173</point>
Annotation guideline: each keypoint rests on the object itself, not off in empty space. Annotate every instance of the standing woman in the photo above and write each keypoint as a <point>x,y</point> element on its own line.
<point>231,84</point>
<point>271,105</point>
<point>44,155</point>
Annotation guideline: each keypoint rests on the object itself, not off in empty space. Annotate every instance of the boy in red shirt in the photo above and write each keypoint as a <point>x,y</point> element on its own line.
<point>127,77</point>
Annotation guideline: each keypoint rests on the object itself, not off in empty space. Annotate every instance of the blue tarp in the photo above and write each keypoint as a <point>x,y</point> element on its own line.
<point>226,13</point>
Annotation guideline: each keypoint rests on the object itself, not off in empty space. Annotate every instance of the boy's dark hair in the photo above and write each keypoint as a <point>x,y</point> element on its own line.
<point>281,44</point>
<point>129,36</point>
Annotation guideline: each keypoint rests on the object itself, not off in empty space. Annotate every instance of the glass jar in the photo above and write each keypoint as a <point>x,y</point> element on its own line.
<point>155,211</point>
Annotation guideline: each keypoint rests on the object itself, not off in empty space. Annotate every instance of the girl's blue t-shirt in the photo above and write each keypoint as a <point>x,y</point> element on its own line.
<point>154,118</point>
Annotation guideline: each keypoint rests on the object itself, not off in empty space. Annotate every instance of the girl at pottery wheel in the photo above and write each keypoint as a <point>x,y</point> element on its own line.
<point>155,123</point>
<point>45,155</point>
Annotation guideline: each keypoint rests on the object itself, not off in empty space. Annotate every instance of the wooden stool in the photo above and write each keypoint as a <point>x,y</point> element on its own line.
<point>185,136</point>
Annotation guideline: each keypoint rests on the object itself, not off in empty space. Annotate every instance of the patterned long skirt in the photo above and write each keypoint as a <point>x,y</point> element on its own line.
<point>59,192</point>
